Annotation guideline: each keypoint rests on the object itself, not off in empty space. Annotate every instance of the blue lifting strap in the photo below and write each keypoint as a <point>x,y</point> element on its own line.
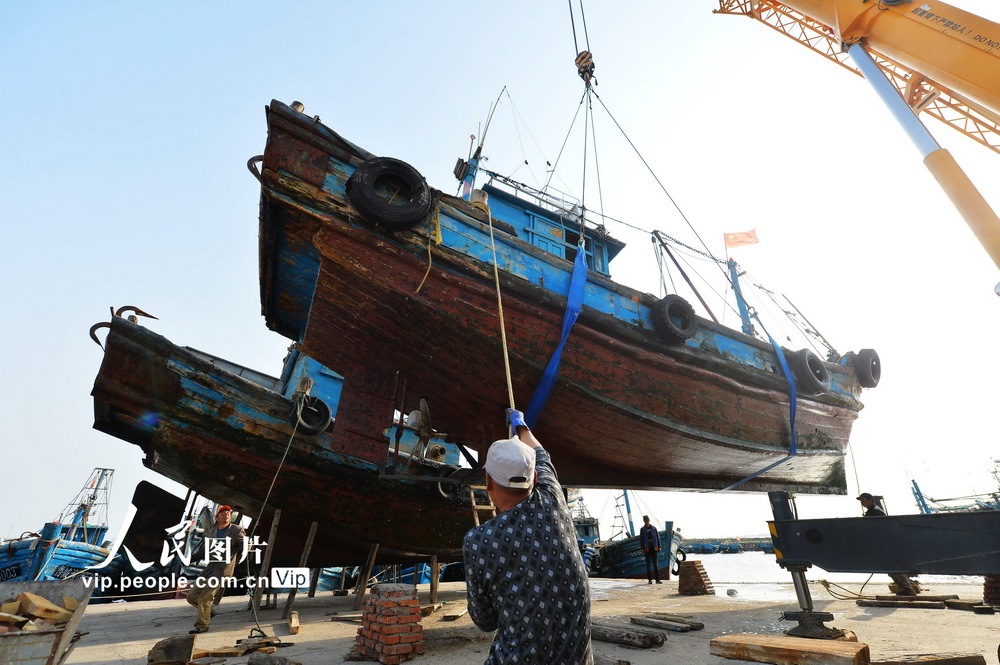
<point>791,411</point>
<point>574,304</point>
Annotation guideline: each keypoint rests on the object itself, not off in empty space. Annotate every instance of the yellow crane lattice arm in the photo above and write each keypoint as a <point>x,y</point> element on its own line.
<point>921,93</point>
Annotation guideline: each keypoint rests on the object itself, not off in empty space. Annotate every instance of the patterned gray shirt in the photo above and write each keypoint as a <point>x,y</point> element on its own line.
<point>525,579</point>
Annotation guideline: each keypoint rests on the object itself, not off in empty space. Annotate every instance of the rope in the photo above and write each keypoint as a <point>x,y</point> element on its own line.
<point>503,332</point>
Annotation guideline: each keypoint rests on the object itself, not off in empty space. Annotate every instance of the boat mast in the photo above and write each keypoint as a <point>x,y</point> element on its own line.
<point>466,171</point>
<point>628,514</point>
<point>740,302</point>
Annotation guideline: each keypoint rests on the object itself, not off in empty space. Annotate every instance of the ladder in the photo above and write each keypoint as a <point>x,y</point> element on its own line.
<point>477,507</point>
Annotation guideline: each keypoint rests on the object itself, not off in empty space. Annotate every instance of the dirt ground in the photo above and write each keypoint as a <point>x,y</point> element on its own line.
<point>124,632</point>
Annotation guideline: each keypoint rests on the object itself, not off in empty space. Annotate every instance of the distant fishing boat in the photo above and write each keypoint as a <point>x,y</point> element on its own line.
<point>382,278</point>
<point>68,546</point>
<point>622,556</point>
<point>959,504</point>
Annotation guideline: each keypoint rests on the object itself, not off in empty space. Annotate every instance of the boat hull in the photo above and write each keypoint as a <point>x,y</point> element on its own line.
<point>228,438</point>
<point>628,409</point>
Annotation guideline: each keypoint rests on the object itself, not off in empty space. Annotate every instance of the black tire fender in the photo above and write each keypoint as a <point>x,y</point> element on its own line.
<point>810,372</point>
<point>868,368</point>
<point>597,561</point>
<point>680,556</point>
<point>314,417</point>
<point>674,319</point>
<point>389,192</point>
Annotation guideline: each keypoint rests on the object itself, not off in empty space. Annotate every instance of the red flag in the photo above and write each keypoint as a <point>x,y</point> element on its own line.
<point>740,238</point>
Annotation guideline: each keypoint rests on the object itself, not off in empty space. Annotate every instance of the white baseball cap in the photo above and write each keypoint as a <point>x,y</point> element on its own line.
<point>511,463</point>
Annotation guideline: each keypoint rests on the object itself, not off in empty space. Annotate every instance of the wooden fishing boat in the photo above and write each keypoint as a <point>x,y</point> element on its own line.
<point>383,279</point>
<point>66,547</point>
<point>229,432</point>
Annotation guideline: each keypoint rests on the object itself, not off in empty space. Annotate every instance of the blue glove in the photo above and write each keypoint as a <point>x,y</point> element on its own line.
<point>515,419</point>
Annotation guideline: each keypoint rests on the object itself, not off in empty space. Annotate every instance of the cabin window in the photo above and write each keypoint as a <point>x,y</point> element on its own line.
<point>547,236</point>
<point>559,240</point>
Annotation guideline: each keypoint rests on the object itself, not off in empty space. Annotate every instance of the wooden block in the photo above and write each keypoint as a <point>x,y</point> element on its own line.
<point>70,603</point>
<point>293,623</point>
<point>10,607</point>
<point>634,637</point>
<point>198,653</point>
<point>177,649</point>
<point>12,618</point>
<point>265,649</point>
<point>39,607</point>
<point>661,624</point>
<point>784,650</point>
<point>454,615</point>
<point>936,659</point>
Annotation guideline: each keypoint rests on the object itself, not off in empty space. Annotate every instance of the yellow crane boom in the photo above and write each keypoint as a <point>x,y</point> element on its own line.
<point>940,60</point>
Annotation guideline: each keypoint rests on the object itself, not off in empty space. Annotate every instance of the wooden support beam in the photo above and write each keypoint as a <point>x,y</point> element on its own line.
<point>784,650</point>
<point>265,567</point>
<point>364,577</point>
<point>435,578</point>
<point>314,574</point>
<point>302,564</point>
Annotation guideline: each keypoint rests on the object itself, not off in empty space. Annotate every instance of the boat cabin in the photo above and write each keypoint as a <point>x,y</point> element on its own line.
<point>553,230</point>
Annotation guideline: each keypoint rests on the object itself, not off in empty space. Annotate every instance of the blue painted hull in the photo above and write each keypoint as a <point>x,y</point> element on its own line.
<point>625,558</point>
<point>34,559</point>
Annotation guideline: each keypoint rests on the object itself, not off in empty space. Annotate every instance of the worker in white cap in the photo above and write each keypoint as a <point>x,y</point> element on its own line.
<point>524,574</point>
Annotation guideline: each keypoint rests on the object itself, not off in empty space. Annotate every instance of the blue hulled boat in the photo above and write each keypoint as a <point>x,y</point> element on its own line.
<point>66,547</point>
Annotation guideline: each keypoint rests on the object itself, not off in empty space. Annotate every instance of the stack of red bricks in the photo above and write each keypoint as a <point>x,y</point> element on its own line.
<point>693,580</point>
<point>390,629</point>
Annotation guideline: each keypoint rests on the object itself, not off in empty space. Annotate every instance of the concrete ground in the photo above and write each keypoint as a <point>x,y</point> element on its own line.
<point>123,633</point>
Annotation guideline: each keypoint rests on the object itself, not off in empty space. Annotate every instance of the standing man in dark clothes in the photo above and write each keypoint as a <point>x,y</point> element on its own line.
<point>524,574</point>
<point>872,509</point>
<point>649,538</point>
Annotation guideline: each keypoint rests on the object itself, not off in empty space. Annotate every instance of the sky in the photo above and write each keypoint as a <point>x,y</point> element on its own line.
<point>127,128</point>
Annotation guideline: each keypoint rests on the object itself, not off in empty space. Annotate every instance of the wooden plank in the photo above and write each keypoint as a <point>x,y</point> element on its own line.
<point>454,615</point>
<point>922,596</point>
<point>428,610</point>
<point>661,624</point>
<point>228,652</point>
<point>922,604</point>
<point>293,622</point>
<point>12,618</point>
<point>936,659</point>
<point>39,607</point>
<point>634,637</point>
<point>601,659</point>
<point>784,650</point>
<point>676,618</point>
